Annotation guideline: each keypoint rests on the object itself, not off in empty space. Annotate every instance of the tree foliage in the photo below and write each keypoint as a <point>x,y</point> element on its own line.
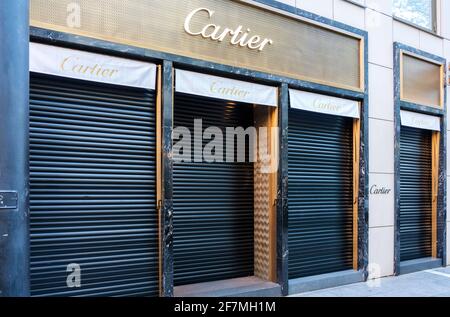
<point>419,12</point>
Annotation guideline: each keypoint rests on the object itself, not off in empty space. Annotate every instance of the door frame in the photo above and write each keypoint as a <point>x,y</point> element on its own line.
<point>439,154</point>
<point>357,183</point>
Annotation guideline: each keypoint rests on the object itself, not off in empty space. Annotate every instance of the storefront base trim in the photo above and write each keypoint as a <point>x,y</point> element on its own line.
<point>317,282</point>
<point>412,266</point>
<point>237,287</point>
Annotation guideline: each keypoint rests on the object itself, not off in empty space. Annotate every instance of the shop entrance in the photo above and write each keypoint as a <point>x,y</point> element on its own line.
<point>93,218</point>
<point>323,167</point>
<point>320,193</point>
<point>215,195</point>
<point>415,193</point>
<point>213,202</point>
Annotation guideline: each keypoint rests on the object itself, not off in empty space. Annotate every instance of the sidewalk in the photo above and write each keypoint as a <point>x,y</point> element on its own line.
<point>431,283</point>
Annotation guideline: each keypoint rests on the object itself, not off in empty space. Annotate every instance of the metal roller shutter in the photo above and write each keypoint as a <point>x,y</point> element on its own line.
<point>320,193</point>
<point>415,193</point>
<point>213,202</point>
<point>92,199</point>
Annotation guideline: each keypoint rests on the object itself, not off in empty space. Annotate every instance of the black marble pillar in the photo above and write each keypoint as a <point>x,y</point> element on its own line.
<point>14,188</point>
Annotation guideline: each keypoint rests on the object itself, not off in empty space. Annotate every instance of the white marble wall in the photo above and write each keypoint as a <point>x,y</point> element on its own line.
<point>375,16</point>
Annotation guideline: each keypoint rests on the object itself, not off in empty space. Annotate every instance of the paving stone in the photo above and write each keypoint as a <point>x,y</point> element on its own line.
<point>419,284</point>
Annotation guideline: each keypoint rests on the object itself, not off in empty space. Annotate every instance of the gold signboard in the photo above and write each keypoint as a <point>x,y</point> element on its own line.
<point>230,32</point>
<point>422,81</point>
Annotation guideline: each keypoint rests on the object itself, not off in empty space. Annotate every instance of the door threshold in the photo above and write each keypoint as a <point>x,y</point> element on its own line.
<point>417,265</point>
<point>328,280</point>
<point>237,287</point>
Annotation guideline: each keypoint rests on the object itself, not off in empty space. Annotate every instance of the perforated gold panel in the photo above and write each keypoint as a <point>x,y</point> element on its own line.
<point>265,193</point>
<point>299,49</point>
<point>262,223</point>
<point>421,81</point>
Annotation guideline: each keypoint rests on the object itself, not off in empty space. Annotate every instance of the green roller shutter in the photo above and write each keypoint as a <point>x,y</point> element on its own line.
<point>415,193</point>
<point>320,193</point>
<point>212,202</point>
<point>92,199</point>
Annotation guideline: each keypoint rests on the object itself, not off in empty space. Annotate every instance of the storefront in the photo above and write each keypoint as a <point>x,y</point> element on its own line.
<point>217,148</point>
<point>420,160</point>
<point>324,143</point>
<point>216,205</point>
<point>92,173</point>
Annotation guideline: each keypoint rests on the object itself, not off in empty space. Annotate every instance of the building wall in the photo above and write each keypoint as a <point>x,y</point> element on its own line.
<point>375,16</point>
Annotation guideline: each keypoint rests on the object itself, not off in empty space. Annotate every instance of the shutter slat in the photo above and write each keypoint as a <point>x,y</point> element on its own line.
<point>415,193</point>
<point>320,193</point>
<point>93,192</point>
<point>213,202</point>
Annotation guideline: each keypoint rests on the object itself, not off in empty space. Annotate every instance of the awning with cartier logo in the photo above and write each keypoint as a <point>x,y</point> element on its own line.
<point>224,88</point>
<point>323,104</point>
<point>420,121</point>
<point>58,61</point>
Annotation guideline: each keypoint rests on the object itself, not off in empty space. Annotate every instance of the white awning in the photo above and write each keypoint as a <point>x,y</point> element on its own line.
<point>225,88</point>
<point>58,61</point>
<point>420,121</point>
<point>324,104</point>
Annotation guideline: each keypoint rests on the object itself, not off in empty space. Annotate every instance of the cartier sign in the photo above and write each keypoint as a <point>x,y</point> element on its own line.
<point>238,36</point>
<point>237,33</point>
<point>377,190</point>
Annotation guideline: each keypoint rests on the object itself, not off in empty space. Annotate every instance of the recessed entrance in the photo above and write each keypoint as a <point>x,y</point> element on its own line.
<point>224,186</point>
<point>320,193</point>
<point>415,194</point>
<point>213,201</point>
